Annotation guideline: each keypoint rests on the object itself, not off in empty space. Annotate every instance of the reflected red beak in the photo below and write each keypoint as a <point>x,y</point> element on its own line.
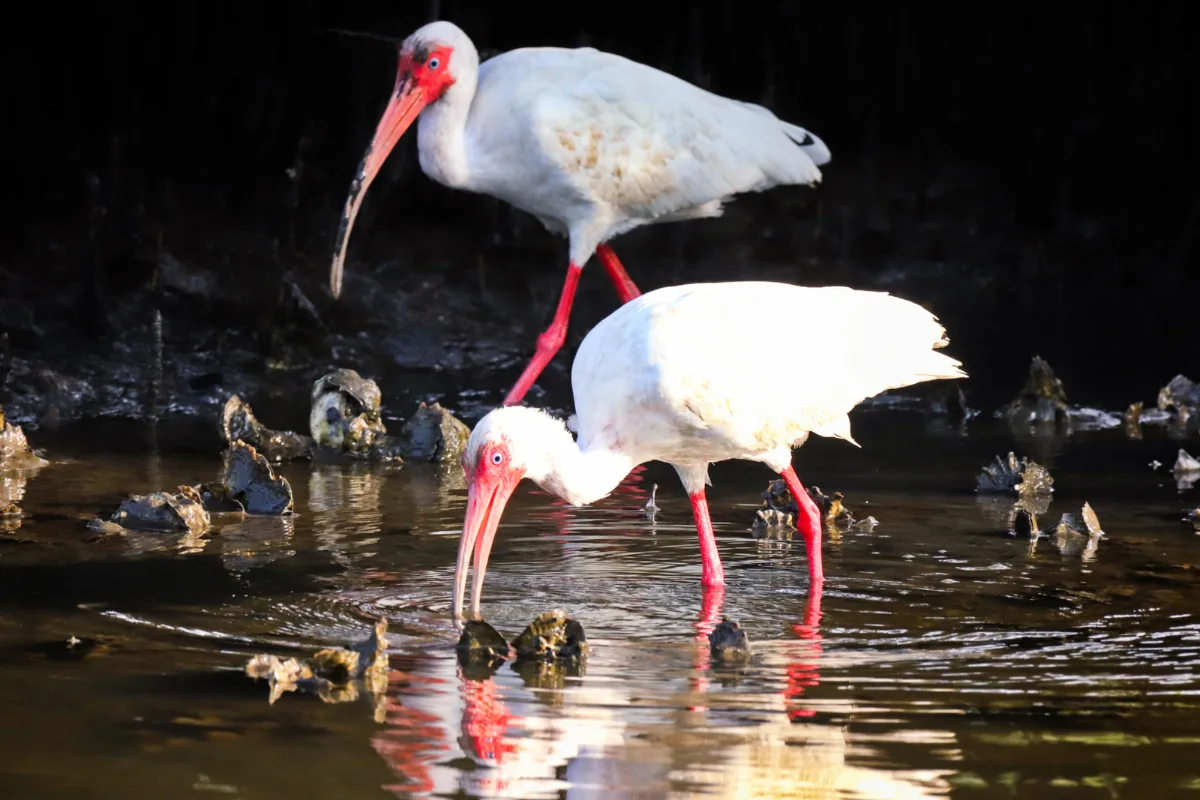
<point>408,100</point>
<point>486,499</point>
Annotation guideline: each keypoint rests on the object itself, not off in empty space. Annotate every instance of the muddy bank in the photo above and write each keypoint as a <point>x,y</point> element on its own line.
<point>451,312</point>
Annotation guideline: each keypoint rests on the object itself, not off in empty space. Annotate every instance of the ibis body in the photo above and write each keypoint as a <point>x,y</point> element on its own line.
<point>690,375</point>
<point>590,143</point>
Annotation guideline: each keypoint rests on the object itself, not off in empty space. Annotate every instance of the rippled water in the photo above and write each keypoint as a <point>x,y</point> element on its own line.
<point>944,658</point>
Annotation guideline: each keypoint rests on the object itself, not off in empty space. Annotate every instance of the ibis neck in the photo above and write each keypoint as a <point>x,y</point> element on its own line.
<point>579,477</point>
<point>441,133</point>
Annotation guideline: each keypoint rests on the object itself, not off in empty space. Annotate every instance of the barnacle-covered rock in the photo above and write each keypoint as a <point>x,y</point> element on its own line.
<point>15,452</point>
<point>433,434</point>
<point>339,401</point>
<point>238,423</point>
<point>1021,476</point>
<point>1181,396</point>
<point>160,511</point>
<point>329,673</point>
<point>480,640</point>
<point>249,479</point>
<point>779,509</point>
<point>551,636</point>
<point>729,641</point>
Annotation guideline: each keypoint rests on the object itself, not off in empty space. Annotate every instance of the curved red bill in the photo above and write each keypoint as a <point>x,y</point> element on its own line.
<point>486,499</point>
<point>408,100</point>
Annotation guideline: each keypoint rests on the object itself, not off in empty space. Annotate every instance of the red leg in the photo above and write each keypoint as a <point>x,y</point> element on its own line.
<point>550,342</point>
<point>808,523</point>
<point>621,281</point>
<point>713,575</point>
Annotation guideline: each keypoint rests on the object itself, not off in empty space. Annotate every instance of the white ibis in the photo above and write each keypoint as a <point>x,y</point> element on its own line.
<point>691,375</point>
<point>590,143</point>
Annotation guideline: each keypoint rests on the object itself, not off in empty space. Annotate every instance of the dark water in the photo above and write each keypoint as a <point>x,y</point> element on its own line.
<point>945,657</point>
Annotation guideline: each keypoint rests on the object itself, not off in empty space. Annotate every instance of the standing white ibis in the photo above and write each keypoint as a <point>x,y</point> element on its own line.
<point>688,375</point>
<point>590,143</point>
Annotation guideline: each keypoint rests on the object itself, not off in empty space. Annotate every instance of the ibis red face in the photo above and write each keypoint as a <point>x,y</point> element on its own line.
<point>491,479</point>
<point>422,78</point>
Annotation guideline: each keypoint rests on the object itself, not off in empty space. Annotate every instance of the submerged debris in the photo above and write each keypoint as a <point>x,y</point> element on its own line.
<point>15,452</point>
<point>1022,476</point>
<point>249,480</point>
<point>1042,399</point>
<point>1194,518</point>
<point>329,673</point>
<point>779,509</point>
<point>238,423</point>
<point>433,434</point>
<point>728,641</point>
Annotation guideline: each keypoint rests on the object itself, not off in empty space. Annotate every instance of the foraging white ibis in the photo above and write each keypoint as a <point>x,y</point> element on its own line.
<point>590,143</point>
<point>688,375</point>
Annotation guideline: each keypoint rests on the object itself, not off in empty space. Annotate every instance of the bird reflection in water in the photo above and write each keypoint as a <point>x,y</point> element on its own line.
<point>516,755</point>
<point>414,740</point>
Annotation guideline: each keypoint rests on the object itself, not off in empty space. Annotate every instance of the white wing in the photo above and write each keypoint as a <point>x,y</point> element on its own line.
<point>745,368</point>
<point>639,143</point>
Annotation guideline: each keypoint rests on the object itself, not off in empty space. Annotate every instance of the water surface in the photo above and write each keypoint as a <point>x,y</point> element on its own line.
<point>944,657</point>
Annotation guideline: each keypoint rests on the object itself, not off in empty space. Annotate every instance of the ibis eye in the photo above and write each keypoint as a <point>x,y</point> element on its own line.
<point>497,458</point>
<point>434,63</point>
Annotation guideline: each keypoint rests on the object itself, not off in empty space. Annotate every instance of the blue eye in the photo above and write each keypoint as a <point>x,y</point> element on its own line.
<point>497,458</point>
<point>434,63</point>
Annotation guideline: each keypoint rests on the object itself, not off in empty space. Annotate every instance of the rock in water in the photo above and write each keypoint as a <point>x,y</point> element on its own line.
<point>1024,477</point>
<point>330,672</point>
<point>15,452</point>
<point>1042,399</point>
<point>481,640</point>
<point>251,481</point>
<point>239,424</point>
<point>345,412</point>
<point>779,509</point>
<point>1181,396</point>
<point>728,640</point>
<point>433,434</point>
<point>159,511</point>
<point>551,636</point>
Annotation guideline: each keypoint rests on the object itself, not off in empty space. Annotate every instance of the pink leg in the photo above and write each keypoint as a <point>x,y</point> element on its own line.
<point>550,342</point>
<point>713,575</point>
<point>621,281</point>
<point>809,524</point>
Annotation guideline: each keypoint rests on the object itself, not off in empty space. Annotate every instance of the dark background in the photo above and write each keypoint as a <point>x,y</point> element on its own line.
<point>1025,169</point>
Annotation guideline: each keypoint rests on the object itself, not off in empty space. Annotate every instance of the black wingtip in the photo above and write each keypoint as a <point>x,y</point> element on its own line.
<point>808,139</point>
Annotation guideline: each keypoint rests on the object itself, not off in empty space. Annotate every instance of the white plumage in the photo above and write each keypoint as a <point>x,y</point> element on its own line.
<point>590,143</point>
<point>594,144</point>
<point>703,373</point>
<point>692,375</point>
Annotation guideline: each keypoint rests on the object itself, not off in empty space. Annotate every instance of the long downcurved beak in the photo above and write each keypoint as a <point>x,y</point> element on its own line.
<point>486,499</point>
<point>408,100</point>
